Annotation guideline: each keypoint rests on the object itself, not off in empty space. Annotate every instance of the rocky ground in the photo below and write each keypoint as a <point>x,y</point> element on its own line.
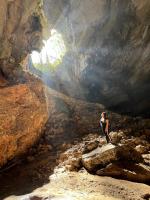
<point>128,159</point>
<point>81,186</point>
<point>67,180</point>
<point>72,151</point>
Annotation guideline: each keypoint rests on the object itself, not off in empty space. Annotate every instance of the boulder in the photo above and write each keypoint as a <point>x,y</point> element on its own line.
<point>73,164</point>
<point>109,153</point>
<point>90,146</point>
<point>146,158</point>
<point>129,171</point>
<point>117,136</point>
<point>23,114</point>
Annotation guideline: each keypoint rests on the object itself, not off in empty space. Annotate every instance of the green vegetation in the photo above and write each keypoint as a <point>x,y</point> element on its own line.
<point>46,67</point>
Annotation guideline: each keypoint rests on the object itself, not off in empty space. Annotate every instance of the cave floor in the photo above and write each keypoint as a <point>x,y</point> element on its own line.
<point>81,185</point>
<point>40,180</point>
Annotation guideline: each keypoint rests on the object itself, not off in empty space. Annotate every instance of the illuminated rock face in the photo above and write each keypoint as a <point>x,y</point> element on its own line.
<point>109,47</point>
<point>23,114</point>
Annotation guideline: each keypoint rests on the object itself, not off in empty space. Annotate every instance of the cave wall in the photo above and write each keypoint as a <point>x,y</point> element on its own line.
<point>23,106</point>
<point>20,32</point>
<point>108,44</point>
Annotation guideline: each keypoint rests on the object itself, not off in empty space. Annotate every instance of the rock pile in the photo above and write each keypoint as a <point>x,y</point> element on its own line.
<point>128,159</point>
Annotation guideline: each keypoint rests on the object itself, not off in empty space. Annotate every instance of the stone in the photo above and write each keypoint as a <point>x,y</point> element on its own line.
<point>146,158</point>
<point>90,146</point>
<point>116,136</point>
<point>127,170</point>
<point>142,149</point>
<point>71,153</point>
<point>108,154</point>
<point>23,114</point>
<point>73,163</point>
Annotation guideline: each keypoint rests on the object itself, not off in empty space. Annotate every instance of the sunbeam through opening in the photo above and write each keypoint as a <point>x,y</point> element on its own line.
<point>51,54</point>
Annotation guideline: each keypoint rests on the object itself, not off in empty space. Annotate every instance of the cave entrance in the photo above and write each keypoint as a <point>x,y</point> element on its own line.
<point>51,54</point>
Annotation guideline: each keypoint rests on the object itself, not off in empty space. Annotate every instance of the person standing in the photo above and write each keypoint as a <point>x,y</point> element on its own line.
<point>104,124</point>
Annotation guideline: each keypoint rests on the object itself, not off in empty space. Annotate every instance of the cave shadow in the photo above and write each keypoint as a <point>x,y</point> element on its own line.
<point>22,179</point>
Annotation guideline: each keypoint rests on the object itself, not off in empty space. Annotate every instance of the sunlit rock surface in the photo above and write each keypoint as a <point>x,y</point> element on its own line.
<point>23,114</point>
<point>108,51</point>
<point>81,186</point>
<point>109,153</point>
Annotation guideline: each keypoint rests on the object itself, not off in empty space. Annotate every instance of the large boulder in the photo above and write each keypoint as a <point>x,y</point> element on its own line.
<point>118,161</point>
<point>107,154</point>
<point>23,114</point>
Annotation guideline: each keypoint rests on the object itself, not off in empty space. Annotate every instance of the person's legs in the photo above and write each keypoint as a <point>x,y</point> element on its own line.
<point>104,133</point>
<point>107,137</point>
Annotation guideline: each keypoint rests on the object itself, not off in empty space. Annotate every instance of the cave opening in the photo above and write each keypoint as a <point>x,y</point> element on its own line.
<point>51,54</point>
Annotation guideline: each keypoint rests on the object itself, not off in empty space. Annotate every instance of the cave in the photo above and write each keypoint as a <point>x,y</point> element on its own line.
<point>65,67</point>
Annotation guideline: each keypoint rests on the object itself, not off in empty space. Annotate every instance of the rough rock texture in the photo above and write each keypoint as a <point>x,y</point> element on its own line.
<point>107,42</point>
<point>23,114</point>
<point>127,158</point>
<point>120,161</point>
<point>71,131</point>
<point>108,55</point>
<point>71,118</point>
<point>23,109</point>
<point>129,171</point>
<point>81,186</point>
<point>109,153</point>
<point>20,33</point>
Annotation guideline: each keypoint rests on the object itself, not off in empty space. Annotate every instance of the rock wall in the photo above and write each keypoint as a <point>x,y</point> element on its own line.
<point>23,108</point>
<point>20,32</point>
<point>23,114</point>
<point>107,41</point>
<point>108,55</point>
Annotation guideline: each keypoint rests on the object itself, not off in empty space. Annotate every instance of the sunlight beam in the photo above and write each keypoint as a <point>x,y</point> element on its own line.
<point>54,49</point>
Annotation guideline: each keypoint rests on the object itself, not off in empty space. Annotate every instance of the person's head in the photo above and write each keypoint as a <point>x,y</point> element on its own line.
<point>104,115</point>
